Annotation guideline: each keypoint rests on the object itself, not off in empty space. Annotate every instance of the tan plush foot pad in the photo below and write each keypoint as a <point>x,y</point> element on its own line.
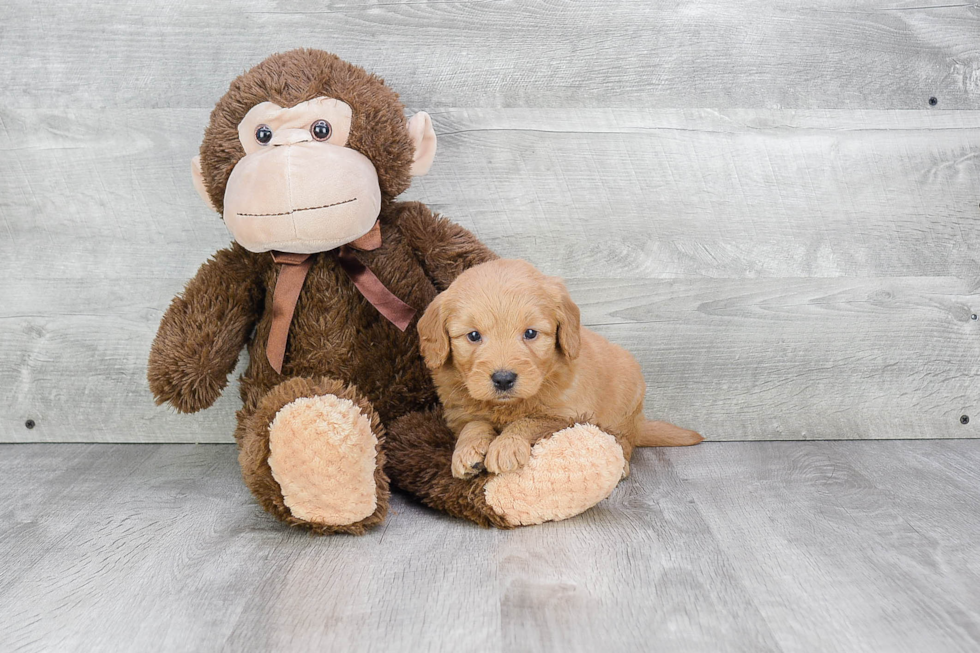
<point>323,455</point>
<point>567,474</point>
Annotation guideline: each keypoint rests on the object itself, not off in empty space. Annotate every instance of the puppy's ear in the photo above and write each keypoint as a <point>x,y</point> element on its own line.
<point>569,321</point>
<point>433,336</point>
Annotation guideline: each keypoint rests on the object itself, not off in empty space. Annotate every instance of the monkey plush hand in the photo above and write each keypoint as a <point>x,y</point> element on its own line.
<point>303,158</point>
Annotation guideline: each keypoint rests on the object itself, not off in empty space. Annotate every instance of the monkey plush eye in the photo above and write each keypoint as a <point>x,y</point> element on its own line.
<point>321,130</point>
<point>530,334</point>
<point>263,134</point>
<point>474,336</point>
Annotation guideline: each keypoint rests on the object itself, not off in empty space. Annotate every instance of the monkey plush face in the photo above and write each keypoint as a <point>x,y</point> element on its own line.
<point>299,188</point>
<point>308,175</point>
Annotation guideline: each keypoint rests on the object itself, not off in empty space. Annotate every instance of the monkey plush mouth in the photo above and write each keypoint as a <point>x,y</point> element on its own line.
<point>309,208</point>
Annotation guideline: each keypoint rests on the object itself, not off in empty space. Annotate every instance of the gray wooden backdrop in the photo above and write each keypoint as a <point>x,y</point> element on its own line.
<point>756,197</point>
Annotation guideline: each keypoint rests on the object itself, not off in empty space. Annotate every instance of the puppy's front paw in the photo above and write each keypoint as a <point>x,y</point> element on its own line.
<point>507,454</point>
<point>468,459</point>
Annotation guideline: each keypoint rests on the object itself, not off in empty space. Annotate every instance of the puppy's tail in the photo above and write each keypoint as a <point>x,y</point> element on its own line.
<point>662,434</point>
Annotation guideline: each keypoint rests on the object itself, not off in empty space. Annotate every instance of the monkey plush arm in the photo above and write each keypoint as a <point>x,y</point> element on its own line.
<point>443,247</point>
<point>204,330</point>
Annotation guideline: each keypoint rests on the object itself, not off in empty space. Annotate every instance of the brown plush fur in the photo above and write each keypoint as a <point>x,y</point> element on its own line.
<point>420,450</point>
<point>338,342</point>
<point>378,129</point>
<point>336,336</point>
<point>253,454</point>
<point>563,371</point>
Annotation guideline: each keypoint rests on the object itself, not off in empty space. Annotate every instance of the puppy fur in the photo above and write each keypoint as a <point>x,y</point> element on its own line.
<point>504,317</point>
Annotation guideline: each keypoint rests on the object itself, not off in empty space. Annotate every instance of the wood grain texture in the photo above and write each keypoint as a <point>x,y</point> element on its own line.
<point>779,274</point>
<point>736,359</point>
<point>836,546</point>
<point>634,193</point>
<point>800,260</point>
<point>800,359</point>
<point>503,53</point>
<point>700,192</point>
<point>831,551</point>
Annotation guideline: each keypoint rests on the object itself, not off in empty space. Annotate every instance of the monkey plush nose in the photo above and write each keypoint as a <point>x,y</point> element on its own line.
<point>503,380</point>
<point>290,136</point>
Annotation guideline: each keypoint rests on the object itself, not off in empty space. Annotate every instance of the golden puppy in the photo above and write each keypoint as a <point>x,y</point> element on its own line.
<point>512,364</point>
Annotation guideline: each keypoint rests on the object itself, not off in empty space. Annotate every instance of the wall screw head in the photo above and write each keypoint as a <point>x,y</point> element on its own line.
<point>964,419</point>
<point>29,423</point>
<point>973,317</point>
<point>933,101</point>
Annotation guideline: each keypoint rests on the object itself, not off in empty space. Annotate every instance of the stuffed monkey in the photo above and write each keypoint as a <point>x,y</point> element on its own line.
<point>303,158</point>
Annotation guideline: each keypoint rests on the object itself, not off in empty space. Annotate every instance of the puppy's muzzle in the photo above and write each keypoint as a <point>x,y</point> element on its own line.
<point>503,380</point>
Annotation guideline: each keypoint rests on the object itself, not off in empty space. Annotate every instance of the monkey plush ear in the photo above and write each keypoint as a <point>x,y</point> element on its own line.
<point>424,138</point>
<point>198,177</point>
<point>433,337</point>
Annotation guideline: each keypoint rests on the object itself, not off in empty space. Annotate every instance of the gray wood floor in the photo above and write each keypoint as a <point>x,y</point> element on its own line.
<point>783,546</point>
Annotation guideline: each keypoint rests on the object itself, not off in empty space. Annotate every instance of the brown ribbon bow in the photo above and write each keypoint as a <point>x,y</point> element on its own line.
<point>293,273</point>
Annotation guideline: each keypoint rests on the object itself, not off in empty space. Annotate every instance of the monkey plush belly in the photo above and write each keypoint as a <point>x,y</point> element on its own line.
<point>336,332</point>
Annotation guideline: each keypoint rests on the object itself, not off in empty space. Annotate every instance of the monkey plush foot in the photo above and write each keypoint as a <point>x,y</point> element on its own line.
<point>323,455</point>
<point>312,457</point>
<point>567,473</point>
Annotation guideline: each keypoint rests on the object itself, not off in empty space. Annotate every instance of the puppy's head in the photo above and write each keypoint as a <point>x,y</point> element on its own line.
<point>503,326</point>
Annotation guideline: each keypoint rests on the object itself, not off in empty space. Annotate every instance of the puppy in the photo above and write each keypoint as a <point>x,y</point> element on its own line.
<point>512,364</point>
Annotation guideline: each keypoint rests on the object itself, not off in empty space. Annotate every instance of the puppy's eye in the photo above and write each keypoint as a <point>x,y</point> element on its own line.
<point>530,334</point>
<point>321,130</point>
<point>474,336</point>
<point>263,134</point>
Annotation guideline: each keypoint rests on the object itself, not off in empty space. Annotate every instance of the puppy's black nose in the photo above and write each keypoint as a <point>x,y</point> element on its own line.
<point>503,380</point>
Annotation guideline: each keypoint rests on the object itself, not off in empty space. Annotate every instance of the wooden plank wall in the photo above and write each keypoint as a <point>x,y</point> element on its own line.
<point>756,197</point>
